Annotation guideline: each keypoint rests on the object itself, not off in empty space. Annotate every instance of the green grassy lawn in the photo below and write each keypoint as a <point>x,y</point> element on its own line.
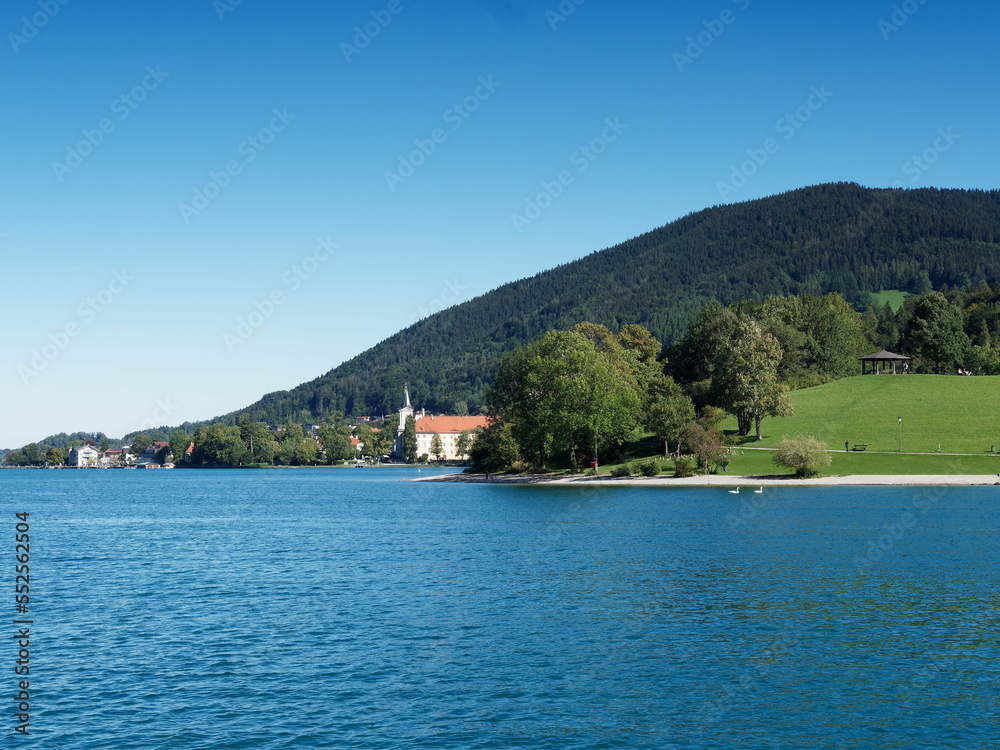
<point>961,414</point>
<point>894,297</point>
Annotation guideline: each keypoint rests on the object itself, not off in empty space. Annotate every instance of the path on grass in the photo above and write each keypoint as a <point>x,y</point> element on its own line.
<point>886,453</point>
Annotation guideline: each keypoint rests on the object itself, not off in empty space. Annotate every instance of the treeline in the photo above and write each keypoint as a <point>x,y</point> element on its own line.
<point>34,454</point>
<point>589,392</point>
<point>839,238</point>
<point>943,330</point>
<point>252,443</point>
<point>244,444</point>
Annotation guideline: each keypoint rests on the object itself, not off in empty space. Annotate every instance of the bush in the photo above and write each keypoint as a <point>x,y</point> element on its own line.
<point>625,470</point>
<point>683,468</point>
<point>589,473</point>
<point>803,453</point>
<point>519,467</point>
<point>648,468</point>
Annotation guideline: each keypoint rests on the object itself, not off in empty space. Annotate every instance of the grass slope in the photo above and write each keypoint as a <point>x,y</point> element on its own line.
<point>894,297</point>
<point>961,414</point>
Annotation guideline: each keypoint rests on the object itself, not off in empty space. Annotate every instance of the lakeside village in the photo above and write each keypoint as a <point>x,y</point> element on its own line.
<point>441,438</point>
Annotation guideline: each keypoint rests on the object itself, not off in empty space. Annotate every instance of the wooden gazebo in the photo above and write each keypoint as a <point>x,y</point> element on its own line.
<point>886,359</point>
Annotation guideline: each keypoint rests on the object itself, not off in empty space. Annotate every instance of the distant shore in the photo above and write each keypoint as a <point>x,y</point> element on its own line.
<point>726,480</point>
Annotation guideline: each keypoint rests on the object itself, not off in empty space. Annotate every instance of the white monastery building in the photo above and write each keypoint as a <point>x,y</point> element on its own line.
<point>449,428</point>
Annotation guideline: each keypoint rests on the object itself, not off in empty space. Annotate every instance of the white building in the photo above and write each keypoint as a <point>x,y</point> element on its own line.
<point>83,455</point>
<point>449,428</point>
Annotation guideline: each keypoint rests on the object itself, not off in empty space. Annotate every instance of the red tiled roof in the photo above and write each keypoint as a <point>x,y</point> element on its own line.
<point>429,425</point>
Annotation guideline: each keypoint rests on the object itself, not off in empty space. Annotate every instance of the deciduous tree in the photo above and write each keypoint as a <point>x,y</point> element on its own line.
<point>464,443</point>
<point>935,331</point>
<point>746,377</point>
<point>668,413</point>
<point>139,443</point>
<point>179,442</point>
<point>494,448</point>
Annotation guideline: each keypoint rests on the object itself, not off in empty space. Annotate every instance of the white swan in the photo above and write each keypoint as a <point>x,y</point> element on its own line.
<point>759,492</point>
<point>734,492</point>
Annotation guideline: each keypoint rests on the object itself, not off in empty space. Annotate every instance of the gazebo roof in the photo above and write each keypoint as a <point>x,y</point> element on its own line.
<point>883,356</point>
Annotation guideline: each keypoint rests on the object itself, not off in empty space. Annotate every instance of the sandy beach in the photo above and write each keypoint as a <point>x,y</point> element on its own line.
<point>727,480</point>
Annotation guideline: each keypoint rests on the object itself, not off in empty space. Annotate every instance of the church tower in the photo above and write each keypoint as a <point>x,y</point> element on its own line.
<point>406,411</point>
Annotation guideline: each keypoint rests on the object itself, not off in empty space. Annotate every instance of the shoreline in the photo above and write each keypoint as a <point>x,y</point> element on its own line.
<point>902,480</point>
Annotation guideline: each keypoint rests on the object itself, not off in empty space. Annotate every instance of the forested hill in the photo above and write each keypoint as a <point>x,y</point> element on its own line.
<point>828,238</point>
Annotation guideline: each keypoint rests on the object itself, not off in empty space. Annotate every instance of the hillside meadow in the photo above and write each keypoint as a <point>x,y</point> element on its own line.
<point>959,414</point>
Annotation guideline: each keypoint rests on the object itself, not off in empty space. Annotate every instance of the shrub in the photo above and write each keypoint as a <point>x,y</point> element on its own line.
<point>683,468</point>
<point>589,473</point>
<point>803,453</point>
<point>519,467</point>
<point>648,468</point>
<point>625,470</point>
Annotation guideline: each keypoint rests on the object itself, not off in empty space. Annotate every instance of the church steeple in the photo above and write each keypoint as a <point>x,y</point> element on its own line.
<point>406,411</point>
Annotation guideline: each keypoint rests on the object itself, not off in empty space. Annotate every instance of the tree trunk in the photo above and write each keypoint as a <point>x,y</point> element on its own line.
<point>757,420</point>
<point>744,423</point>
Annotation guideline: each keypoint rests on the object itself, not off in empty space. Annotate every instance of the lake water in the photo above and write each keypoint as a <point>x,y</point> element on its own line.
<point>347,609</point>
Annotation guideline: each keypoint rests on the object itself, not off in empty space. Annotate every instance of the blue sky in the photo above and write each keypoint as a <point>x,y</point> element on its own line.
<point>167,168</point>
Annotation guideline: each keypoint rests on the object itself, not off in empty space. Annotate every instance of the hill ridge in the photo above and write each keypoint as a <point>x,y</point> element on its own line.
<point>834,237</point>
